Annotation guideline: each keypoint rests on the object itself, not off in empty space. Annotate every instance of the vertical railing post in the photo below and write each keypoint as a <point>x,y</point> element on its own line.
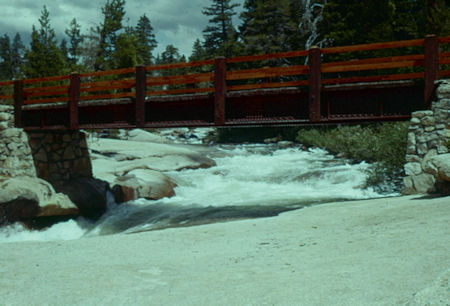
<point>315,84</point>
<point>141,88</point>
<point>74,97</point>
<point>220,68</point>
<point>431,63</point>
<point>18,102</point>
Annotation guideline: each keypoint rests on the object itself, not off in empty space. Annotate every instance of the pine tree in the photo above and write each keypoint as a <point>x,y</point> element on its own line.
<point>126,53</point>
<point>75,42</point>
<point>64,50</point>
<point>220,35</point>
<point>113,13</point>
<point>146,41</point>
<point>17,54</point>
<point>267,26</point>
<point>350,22</point>
<point>198,52</point>
<point>171,55</point>
<point>438,12</point>
<point>44,58</point>
<point>5,58</point>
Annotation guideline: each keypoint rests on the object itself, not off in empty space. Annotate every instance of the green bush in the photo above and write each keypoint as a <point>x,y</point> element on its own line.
<point>383,145</point>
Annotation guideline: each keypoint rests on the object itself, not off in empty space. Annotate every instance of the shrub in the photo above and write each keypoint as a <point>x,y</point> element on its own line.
<point>383,145</point>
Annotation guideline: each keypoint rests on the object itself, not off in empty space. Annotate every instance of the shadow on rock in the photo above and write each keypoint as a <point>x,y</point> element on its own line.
<point>90,195</point>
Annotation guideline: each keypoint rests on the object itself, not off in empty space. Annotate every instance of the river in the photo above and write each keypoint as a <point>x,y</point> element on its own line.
<point>249,181</point>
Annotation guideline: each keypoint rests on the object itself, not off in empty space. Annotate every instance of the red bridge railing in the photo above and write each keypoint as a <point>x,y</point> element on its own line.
<point>309,69</point>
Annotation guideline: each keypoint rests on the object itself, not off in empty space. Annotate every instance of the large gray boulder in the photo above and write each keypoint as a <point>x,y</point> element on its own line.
<point>442,165</point>
<point>27,197</point>
<point>145,183</point>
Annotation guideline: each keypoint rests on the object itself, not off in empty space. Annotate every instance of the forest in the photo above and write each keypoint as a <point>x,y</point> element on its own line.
<point>267,26</point>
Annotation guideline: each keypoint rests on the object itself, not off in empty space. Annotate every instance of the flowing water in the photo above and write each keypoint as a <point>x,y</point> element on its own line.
<point>249,181</point>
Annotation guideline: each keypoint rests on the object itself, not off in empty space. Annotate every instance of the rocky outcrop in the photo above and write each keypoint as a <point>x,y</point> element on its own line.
<point>89,194</point>
<point>428,157</point>
<point>145,183</point>
<point>140,167</point>
<point>27,197</point>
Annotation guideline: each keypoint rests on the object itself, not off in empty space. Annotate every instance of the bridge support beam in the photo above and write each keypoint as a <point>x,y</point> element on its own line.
<point>74,97</point>
<point>315,84</point>
<point>141,89</point>
<point>431,67</point>
<point>18,102</point>
<point>220,68</point>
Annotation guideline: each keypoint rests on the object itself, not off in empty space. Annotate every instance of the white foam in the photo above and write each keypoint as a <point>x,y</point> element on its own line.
<point>61,231</point>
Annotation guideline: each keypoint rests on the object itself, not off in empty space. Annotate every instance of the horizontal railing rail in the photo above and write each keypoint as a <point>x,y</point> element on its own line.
<point>310,70</point>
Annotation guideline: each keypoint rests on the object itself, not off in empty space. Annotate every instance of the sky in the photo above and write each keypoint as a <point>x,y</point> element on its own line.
<point>176,22</point>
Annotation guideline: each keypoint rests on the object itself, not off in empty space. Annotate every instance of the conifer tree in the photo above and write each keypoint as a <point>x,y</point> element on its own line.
<point>44,58</point>
<point>125,53</point>
<point>220,35</point>
<point>75,42</point>
<point>438,12</point>
<point>113,14</point>
<point>198,52</point>
<point>171,55</point>
<point>267,26</point>
<point>146,41</point>
<point>352,22</point>
<point>64,50</point>
<point>17,53</point>
<point>5,58</point>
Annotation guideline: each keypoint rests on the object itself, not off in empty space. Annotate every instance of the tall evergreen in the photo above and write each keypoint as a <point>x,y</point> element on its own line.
<point>267,26</point>
<point>17,54</point>
<point>409,19</point>
<point>220,35</point>
<point>146,41</point>
<point>113,14</point>
<point>6,72</point>
<point>125,53</point>
<point>348,22</point>
<point>438,13</point>
<point>75,42</point>
<point>44,58</point>
<point>198,52</point>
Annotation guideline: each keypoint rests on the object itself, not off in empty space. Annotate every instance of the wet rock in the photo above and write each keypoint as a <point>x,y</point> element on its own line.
<point>285,144</point>
<point>17,210</point>
<point>148,184</point>
<point>88,194</point>
<point>26,190</point>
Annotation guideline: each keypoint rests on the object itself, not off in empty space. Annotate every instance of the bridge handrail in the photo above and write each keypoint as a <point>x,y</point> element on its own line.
<point>318,72</point>
<point>374,46</point>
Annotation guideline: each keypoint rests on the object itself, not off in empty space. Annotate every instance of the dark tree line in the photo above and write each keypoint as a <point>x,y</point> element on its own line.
<point>267,26</point>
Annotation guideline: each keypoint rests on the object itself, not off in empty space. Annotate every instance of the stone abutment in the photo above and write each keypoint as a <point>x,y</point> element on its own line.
<point>55,156</point>
<point>428,155</point>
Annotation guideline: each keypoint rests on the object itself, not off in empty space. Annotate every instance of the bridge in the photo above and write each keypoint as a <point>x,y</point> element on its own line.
<point>370,82</point>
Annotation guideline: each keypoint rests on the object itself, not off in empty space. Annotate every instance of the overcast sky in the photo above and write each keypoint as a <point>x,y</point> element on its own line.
<point>177,22</point>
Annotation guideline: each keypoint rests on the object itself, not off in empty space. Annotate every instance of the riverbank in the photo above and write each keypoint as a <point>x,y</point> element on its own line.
<point>379,251</point>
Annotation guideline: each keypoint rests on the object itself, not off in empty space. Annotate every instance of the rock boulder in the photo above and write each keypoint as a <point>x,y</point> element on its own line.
<point>30,197</point>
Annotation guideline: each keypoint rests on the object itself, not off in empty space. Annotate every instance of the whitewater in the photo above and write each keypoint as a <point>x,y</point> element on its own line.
<point>249,181</point>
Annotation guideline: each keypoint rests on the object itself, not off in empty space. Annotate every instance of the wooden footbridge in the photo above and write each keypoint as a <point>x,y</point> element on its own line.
<point>371,82</point>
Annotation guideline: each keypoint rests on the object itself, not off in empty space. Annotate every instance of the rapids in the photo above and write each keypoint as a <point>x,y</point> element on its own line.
<point>249,181</point>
